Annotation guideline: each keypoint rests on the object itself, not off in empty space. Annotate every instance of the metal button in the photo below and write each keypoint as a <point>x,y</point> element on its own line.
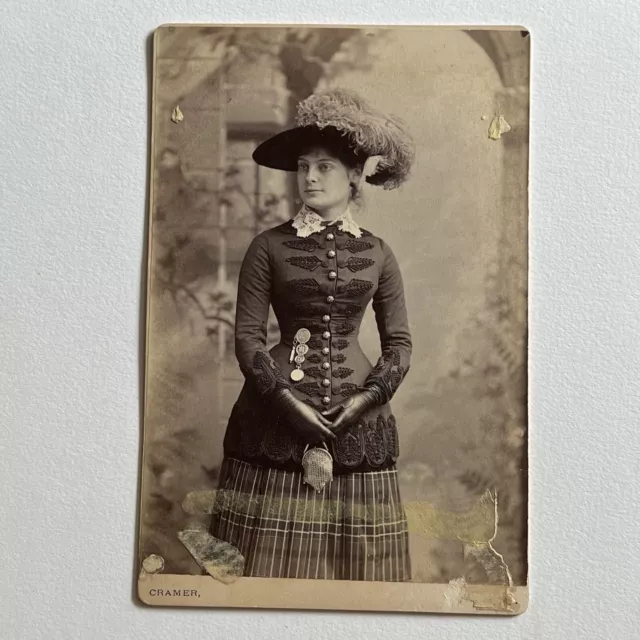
<point>331,254</point>
<point>332,275</point>
<point>325,365</point>
<point>330,299</point>
<point>325,351</point>
<point>326,335</point>
<point>326,400</point>
<point>326,318</point>
<point>326,382</point>
<point>330,236</point>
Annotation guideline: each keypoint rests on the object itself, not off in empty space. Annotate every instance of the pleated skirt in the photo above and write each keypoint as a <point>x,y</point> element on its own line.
<point>354,529</point>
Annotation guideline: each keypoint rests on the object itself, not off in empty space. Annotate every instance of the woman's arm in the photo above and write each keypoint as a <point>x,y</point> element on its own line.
<point>252,314</point>
<point>393,326</point>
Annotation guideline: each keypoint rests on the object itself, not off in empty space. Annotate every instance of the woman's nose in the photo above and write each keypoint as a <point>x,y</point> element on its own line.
<point>311,176</point>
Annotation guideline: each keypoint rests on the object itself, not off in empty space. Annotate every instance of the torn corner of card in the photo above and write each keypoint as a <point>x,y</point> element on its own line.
<point>483,598</point>
<point>219,559</point>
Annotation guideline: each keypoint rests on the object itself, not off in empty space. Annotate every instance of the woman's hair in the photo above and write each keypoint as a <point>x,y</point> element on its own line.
<point>356,195</point>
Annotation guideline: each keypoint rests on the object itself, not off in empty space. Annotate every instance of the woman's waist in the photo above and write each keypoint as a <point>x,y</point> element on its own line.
<point>294,465</point>
<point>336,359</point>
<point>319,330</point>
<point>257,433</point>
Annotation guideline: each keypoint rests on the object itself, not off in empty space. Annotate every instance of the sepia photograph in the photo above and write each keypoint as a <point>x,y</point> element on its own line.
<point>335,411</point>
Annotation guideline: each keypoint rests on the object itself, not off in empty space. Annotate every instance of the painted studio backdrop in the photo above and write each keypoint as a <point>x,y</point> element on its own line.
<point>458,228</point>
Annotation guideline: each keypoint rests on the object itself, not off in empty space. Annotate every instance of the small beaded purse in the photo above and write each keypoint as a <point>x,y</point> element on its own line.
<point>318,467</point>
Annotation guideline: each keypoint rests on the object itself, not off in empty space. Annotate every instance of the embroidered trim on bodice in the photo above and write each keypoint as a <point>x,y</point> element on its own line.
<point>316,290</point>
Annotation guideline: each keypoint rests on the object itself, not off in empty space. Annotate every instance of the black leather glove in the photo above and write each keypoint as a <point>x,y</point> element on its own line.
<point>348,411</point>
<point>312,427</point>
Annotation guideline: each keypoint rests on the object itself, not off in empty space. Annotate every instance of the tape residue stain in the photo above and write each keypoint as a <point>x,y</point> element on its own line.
<point>153,563</point>
<point>177,115</point>
<point>497,127</point>
<point>219,559</point>
<point>476,526</point>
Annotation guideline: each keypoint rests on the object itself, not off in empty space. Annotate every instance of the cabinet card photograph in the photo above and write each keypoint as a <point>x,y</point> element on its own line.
<point>335,411</point>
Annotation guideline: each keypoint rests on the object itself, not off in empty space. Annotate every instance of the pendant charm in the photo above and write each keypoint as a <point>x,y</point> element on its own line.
<point>303,336</point>
<point>297,375</point>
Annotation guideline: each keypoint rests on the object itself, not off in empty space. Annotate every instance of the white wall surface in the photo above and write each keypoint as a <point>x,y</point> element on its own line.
<point>73,105</point>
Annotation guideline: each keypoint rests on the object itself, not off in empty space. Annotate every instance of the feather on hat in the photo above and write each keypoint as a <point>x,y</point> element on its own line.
<point>342,117</point>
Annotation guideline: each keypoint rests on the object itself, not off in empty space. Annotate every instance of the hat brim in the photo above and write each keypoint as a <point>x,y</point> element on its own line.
<point>283,150</point>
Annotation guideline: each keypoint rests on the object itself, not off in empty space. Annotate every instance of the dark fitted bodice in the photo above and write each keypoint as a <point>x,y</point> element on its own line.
<point>322,283</point>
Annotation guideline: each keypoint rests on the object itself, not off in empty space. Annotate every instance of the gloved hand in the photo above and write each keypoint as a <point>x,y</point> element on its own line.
<point>312,427</point>
<point>348,411</point>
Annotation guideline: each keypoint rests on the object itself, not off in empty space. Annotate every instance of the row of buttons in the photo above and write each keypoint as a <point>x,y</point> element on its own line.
<point>326,318</point>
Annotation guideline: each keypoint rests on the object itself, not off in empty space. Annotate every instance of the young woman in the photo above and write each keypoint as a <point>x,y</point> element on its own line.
<point>308,486</point>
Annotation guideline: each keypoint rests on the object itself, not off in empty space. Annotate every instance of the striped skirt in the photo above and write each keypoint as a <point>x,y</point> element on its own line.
<point>354,529</point>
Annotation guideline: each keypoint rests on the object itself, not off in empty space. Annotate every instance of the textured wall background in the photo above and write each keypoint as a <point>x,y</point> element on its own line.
<point>73,202</point>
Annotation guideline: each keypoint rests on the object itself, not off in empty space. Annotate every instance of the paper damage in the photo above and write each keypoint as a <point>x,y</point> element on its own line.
<point>497,127</point>
<point>153,563</point>
<point>177,115</point>
<point>476,526</point>
<point>458,591</point>
<point>454,594</point>
<point>219,559</point>
<point>476,529</point>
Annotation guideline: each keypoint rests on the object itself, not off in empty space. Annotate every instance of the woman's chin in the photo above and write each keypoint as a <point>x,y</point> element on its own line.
<point>312,201</point>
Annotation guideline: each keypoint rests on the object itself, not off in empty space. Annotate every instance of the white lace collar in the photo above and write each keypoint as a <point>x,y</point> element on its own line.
<point>307,222</point>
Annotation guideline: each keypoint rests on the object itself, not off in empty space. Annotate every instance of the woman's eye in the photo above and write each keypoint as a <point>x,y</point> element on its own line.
<point>324,167</point>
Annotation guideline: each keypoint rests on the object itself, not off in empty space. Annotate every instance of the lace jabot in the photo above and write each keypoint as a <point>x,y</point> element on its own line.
<point>307,222</point>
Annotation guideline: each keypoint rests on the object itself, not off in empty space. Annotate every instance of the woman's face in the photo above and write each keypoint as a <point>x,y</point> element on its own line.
<point>323,180</point>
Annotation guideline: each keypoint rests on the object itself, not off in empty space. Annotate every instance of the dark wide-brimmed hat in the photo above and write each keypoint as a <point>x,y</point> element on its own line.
<point>341,120</point>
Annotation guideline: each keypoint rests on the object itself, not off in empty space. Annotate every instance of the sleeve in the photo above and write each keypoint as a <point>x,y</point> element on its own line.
<point>252,313</point>
<point>393,326</point>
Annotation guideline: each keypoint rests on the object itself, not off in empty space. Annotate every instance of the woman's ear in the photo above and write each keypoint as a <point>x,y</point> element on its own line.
<point>355,175</point>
